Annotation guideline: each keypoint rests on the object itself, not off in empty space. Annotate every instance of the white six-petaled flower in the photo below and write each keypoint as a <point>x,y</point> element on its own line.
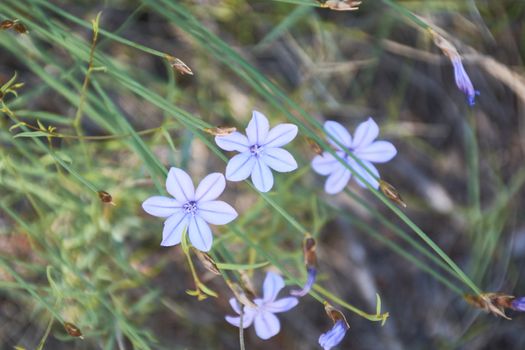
<point>266,323</point>
<point>259,150</point>
<point>362,146</point>
<point>191,209</point>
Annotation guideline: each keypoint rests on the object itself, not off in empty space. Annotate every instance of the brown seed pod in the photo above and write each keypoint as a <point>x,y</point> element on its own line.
<point>207,261</point>
<point>314,146</point>
<point>178,65</point>
<point>334,314</point>
<point>220,130</point>
<point>7,24</point>
<point>105,197</point>
<point>73,330</point>
<point>20,28</point>
<point>391,192</point>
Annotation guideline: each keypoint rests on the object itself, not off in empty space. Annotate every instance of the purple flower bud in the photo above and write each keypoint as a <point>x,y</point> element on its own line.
<point>463,81</point>
<point>334,336</point>
<point>518,304</point>
<point>310,280</point>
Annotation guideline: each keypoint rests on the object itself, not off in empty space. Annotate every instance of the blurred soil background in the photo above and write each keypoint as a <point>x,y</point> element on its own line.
<point>459,168</point>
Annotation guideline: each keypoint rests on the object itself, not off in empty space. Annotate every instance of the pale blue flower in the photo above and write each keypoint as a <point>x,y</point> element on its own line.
<point>259,151</point>
<point>518,304</point>
<point>190,208</point>
<point>334,336</point>
<point>362,146</point>
<point>262,315</point>
<point>463,81</point>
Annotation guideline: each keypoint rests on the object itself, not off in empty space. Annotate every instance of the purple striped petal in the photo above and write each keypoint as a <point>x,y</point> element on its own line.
<point>262,177</point>
<point>266,325</point>
<point>326,163</point>
<point>369,178</point>
<point>279,160</point>
<point>273,283</point>
<point>257,129</point>
<point>377,152</point>
<point>338,180</point>
<point>217,212</point>
<point>179,185</point>
<point>240,166</point>
<point>210,187</point>
<point>173,228</point>
<point>281,305</point>
<point>365,134</point>
<point>200,234</point>
<point>233,142</point>
<point>337,131</point>
<point>280,135</point>
<point>161,206</point>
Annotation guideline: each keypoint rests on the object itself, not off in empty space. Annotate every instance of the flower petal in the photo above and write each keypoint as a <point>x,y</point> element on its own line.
<point>365,134</point>
<point>235,305</point>
<point>280,135</point>
<point>377,152</point>
<point>362,171</point>
<point>337,181</point>
<point>463,81</point>
<point>279,160</point>
<point>281,305</point>
<point>262,177</point>
<point>210,187</point>
<point>247,319</point>
<point>217,212</point>
<point>257,129</point>
<point>334,336</point>
<point>200,234</point>
<point>266,325</point>
<point>338,132</point>
<point>272,284</point>
<point>161,206</point>
<point>240,166</point>
<point>179,185</point>
<point>173,228</point>
<point>325,164</point>
<point>233,142</point>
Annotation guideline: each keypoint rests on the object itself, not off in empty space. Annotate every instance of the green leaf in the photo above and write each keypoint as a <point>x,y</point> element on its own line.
<point>225,266</point>
<point>32,134</point>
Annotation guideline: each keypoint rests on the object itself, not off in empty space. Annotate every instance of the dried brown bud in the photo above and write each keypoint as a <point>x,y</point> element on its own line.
<point>7,24</point>
<point>207,261</point>
<point>105,197</point>
<point>495,303</point>
<point>391,192</point>
<point>446,46</point>
<point>314,146</point>
<point>340,5</point>
<point>177,64</point>
<point>20,28</point>
<point>334,314</point>
<point>310,257</point>
<point>220,130</point>
<point>73,330</point>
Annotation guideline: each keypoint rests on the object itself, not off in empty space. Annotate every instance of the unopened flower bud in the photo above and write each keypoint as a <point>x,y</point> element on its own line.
<point>105,197</point>
<point>207,261</point>
<point>178,65</point>
<point>7,24</point>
